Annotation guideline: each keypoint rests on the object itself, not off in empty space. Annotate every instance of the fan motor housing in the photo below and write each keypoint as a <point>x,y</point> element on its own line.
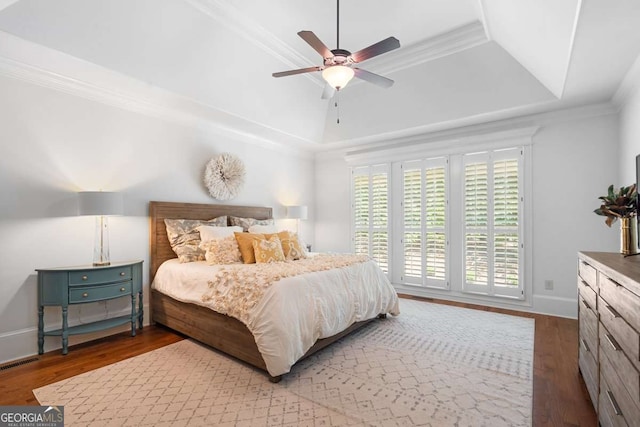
<point>340,57</point>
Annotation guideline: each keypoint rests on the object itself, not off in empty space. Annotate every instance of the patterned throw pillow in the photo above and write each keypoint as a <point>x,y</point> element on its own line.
<point>221,251</point>
<point>245,223</point>
<point>268,250</point>
<point>245,243</point>
<point>291,246</point>
<point>185,238</point>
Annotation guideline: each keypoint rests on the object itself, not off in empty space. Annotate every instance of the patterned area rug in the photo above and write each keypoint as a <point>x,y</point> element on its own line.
<point>434,365</point>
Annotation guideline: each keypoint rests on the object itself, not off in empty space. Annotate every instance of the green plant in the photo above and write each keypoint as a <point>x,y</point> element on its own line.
<point>618,204</point>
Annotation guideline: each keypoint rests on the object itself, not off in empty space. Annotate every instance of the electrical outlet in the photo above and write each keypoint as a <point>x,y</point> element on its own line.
<point>548,285</point>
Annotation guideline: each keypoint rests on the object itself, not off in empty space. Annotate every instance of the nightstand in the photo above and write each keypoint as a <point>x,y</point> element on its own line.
<point>83,284</point>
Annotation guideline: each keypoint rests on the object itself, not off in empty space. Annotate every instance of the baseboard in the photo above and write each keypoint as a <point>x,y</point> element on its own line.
<point>556,306</point>
<point>552,306</point>
<point>24,342</point>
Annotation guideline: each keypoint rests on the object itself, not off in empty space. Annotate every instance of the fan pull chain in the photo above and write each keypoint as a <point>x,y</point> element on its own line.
<point>337,106</point>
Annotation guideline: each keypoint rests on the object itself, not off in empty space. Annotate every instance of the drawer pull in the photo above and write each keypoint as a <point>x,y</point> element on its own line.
<point>122,273</point>
<point>614,282</point>
<point>84,295</point>
<point>586,346</point>
<point>123,289</point>
<point>613,402</point>
<point>612,310</point>
<point>85,277</point>
<point>613,342</point>
<point>585,304</point>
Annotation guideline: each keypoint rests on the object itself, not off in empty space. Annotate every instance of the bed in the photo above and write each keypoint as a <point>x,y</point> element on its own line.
<point>220,331</point>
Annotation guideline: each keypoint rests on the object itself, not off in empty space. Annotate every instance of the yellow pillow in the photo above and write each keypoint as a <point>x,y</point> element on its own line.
<point>245,244</point>
<point>290,245</point>
<point>268,250</point>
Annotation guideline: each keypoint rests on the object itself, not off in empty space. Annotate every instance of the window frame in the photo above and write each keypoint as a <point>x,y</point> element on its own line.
<point>491,288</point>
<point>371,228</point>
<point>424,280</point>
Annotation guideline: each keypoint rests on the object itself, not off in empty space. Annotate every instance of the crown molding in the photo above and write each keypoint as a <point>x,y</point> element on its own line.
<point>231,18</point>
<point>458,131</point>
<point>36,64</point>
<point>436,145</point>
<point>454,41</point>
<point>457,40</point>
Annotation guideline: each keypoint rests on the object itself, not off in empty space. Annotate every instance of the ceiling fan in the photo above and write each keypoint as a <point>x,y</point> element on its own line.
<point>338,64</point>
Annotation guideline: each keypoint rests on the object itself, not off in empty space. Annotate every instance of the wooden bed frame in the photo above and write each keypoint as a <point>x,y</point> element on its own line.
<point>219,331</point>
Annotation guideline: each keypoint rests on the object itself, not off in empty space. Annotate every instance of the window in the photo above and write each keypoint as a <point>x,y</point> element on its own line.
<point>424,213</point>
<point>453,223</point>
<point>492,223</point>
<point>370,207</point>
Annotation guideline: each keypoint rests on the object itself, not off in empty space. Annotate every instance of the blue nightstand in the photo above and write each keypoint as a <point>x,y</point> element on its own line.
<point>79,285</point>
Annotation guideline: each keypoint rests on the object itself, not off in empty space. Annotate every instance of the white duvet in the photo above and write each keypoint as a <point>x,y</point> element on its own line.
<point>295,311</point>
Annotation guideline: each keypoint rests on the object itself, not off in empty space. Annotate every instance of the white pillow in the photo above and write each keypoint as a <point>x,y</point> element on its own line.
<point>208,232</point>
<point>263,229</point>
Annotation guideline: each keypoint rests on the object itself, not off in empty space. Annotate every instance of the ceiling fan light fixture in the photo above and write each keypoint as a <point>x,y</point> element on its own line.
<point>338,76</point>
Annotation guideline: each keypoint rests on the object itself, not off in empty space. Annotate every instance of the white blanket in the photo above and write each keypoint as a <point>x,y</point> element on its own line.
<point>295,311</point>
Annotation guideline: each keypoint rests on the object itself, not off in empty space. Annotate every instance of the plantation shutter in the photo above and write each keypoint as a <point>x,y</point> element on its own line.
<point>370,193</point>
<point>492,223</point>
<point>424,206</point>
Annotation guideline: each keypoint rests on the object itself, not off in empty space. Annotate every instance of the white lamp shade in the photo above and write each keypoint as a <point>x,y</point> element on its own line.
<point>338,75</point>
<point>100,203</point>
<point>297,212</point>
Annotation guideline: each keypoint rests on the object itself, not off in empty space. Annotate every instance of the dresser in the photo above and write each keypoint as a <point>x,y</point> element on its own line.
<point>63,286</point>
<point>609,335</point>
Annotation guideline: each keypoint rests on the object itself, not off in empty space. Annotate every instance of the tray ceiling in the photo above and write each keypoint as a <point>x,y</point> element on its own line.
<point>461,62</point>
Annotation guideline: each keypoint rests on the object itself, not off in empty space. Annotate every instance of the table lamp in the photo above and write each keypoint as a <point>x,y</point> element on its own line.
<point>100,204</point>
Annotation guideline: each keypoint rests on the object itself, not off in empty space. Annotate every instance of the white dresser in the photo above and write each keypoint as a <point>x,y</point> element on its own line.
<point>609,321</point>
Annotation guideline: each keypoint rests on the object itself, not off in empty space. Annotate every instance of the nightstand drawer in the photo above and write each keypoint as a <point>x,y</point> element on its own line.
<point>98,293</point>
<point>96,276</point>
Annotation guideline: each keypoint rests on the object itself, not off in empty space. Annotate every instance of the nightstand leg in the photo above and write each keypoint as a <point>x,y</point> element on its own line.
<point>133,314</point>
<point>140,310</point>
<point>65,331</point>
<point>40,329</point>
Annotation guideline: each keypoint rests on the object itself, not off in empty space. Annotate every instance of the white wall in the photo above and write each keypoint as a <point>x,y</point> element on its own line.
<point>630,135</point>
<point>570,170</point>
<point>54,145</point>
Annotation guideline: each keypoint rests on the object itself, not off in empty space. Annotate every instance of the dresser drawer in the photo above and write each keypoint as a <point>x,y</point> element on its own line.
<point>84,294</point>
<point>587,293</point>
<point>627,373</point>
<point>589,369</point>
<point>608,414</point>
<point>97,276</point>
<point>588,326</point>
<point>615,392</point>
<point>624,334</point>
<point>588,274</point>
<point>625,302</point>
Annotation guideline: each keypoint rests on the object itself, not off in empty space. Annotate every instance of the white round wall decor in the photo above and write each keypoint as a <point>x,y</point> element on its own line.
<point>224,176</point>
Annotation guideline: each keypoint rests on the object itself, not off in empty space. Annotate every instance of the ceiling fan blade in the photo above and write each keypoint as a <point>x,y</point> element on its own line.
<point>373,78</point>
<point>376,49</point>
<point>315,43</point>
<point>299,71</point>
<point>328,91</point>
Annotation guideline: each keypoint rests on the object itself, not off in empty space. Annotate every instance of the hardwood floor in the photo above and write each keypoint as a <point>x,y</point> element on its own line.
<point>559,395</point>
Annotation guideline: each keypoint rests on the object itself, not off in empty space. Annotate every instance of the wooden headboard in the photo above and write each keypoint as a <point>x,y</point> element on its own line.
<point>160,249</point>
